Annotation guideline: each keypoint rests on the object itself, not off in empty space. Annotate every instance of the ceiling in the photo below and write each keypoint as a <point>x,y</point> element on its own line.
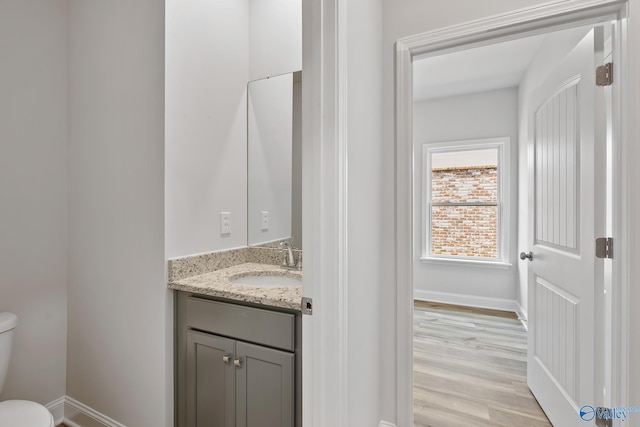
<point>480,69</point>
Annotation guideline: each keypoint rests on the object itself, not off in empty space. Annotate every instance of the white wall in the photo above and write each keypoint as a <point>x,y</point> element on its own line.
<point>207,69</point>
<point>275,29</point>
<point>119,348</point>
<point>554,48</point>
<point>633,192</point>
<point>33,194</point>
<point>270,129</point>
<point>403,18</point>
<point>213,49</point>
<point>364,207</point>
<point>474,116</point>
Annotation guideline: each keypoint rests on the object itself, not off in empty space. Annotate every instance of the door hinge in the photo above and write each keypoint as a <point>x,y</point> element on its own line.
<point>307,306</point>
<point>604,417</point>
<point>604,247</point>
<point>604,75</point>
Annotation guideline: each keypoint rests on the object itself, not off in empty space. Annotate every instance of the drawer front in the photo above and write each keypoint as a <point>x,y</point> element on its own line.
<point>244,323</point>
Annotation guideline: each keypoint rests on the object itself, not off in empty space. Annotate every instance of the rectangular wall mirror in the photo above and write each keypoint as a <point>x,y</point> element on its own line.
<point>274,153</point>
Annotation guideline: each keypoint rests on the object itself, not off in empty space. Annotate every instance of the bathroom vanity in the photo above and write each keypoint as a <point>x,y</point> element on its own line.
<point>237,349</point>
<point>238,312</point>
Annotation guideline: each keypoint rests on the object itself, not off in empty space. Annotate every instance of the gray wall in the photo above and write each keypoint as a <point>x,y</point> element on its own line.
<point>119,347</point>
<point>207,70</point>
<point>81,254</point>
<point>474,116</point>
<point>33,194</point>
<point>275,37</point>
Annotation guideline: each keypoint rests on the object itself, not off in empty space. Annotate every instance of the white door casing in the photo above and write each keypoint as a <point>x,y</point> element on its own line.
<point>563,285</point>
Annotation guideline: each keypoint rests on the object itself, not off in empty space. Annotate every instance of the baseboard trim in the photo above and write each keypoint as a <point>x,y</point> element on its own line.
<point>467,300</point>
<point>522,315</point>
<point>81,415</point>
<point>76,414</point>
<point>386,424</point>
<point>57,409</point>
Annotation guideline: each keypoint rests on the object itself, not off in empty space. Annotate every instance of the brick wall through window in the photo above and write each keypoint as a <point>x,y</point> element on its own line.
<point>469,231</point>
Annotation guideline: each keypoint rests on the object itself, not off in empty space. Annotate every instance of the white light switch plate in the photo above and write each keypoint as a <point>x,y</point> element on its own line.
<point>265,220</point>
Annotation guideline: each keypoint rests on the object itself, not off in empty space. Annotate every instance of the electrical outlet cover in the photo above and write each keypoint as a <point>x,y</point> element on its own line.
<point>225,222</point>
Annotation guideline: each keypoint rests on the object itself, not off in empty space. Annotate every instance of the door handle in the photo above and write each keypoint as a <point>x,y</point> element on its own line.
<point>527,255</point>
<point>226,359</point>
<point>238,363</point>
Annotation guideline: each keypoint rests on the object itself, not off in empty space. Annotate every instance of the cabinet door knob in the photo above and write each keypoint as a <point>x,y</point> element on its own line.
<point>238,363</point>
<point>226,359</point>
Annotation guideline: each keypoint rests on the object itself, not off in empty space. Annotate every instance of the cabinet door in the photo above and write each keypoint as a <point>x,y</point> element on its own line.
<point>210,381</point>
<point>264,387</point>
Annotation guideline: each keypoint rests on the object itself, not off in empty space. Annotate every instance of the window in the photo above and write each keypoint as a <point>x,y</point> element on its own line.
<point>464,210</point>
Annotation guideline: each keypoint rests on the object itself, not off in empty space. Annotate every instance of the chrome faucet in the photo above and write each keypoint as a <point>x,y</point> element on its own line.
<point>289,260</point>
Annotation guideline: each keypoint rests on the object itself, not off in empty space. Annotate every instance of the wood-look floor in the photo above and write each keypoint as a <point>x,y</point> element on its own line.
<point>470,369</point>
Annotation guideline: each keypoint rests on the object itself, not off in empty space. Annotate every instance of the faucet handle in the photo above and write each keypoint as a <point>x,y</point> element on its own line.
<point>289,258</point>
<point>285,244</point>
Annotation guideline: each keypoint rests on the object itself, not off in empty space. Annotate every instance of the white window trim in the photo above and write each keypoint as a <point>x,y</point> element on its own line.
<point>503,144</point>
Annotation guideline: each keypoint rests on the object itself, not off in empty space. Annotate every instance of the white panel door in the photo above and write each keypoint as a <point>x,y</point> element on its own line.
<point>562,280</point>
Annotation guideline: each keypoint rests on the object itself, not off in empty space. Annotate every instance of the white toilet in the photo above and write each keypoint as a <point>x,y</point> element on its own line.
<point>15,413</point>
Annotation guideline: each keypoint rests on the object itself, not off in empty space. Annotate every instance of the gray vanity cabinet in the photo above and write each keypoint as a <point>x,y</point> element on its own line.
<point>210,380</point>
<point>264,387</point>
<point>239,367</point>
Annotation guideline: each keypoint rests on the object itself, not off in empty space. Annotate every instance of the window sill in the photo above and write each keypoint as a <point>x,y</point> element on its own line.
<point>466,262</point>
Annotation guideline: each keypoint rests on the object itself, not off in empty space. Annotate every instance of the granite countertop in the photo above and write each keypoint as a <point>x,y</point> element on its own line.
<point>218,284</point>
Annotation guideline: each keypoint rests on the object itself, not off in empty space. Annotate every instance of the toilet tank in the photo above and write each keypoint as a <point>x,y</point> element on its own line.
<point>8,322</point>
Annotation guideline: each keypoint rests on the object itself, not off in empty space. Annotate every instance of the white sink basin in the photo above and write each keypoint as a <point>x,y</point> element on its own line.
<point>266,281</point>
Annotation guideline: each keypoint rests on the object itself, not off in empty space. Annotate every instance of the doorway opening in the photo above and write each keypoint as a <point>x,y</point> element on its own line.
<point>454,101</point>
